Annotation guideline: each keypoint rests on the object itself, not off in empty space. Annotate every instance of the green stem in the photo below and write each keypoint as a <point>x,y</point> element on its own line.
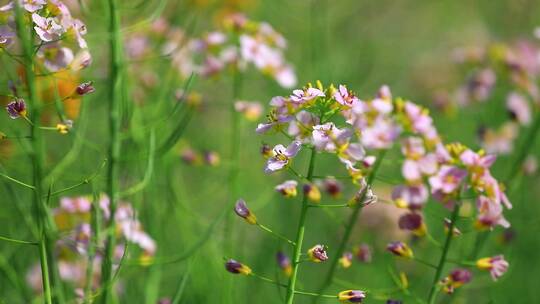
<point>92,245</point>
<point>328,205</point>
<point>306,293</point>
<point>8,239</point>
<point>350,224</point>
<point>233,186</point>
<point>449,236</point>
<point>115,98</point>
<point>17,181</point>
<point>279,236</point>
<point>37,155</point>
<point>300,234</point>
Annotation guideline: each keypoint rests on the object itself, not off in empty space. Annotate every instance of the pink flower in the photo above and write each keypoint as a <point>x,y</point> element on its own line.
<point>496,265</point>
<point>345,97</point>
<point>287,188</point>
<point>411,197</point>
<point>6,36</point>
<point>519,108</point>
<point>447,180</point>
<point>33,5</point>
<point>48,29</point>
<point>282,156</point>
<point>55,57</point>
<point>328,137</point>
<point>490,213</point>
<point>381,135</point>
<point>302,96</point>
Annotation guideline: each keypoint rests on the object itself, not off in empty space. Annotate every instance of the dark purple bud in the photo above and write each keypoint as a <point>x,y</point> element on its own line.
<point>242,210</point>
<point>352,296</point>
<point>16,108</point>
<point>410,221</point>
<point>363,253</point>
<point>393,302</point>
<point>283,260</point>
<point>236,267</point>
<point>85,88</point>
<point>461,275</point>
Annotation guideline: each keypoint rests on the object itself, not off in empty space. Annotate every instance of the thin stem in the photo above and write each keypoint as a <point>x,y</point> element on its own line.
<point>307,293</point>
<point>37,155</point>
<point>17,181</point>
<point>115,98</point>
<point>233,185</point>
<point>351,223</point>
<point>8,239</point>
<point>92,245</point>
<point>328,205</point>
<point>449,236</point>
<point>83,182</point>
<point>300,235</point>
<point>424,262</point>
<point>279,236</point>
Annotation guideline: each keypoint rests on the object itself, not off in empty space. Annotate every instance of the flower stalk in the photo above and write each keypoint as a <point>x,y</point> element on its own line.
<point>300,234</point>
<point>37,151</point>
<point>350,224</point>
<point>115,98</point>
<point>446,248</point>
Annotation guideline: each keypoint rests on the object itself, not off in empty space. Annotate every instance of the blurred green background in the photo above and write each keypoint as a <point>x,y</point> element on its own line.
<point>364,44</point>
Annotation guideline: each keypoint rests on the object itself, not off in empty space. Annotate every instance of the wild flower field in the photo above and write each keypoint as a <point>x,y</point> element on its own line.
<point>249,151</point>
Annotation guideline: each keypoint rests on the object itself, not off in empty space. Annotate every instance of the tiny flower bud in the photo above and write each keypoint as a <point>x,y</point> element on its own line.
<point>413,222</point>
<point>363,253</point>
<point>85,88</point>
<point>242,210</point>
<point>284,263</point>
<point>400,249</point>
<point>64,128</point>
<point>211,158</point>
<point>318,254</point>
<point>235,267</point>
<point>312,193</point>
<point>189,156</point>
<point>456,279</point>
<point>16,108</point>
<point>288,188</point>
<point>266,151</point>
<point>496,265</point>
<point>332,187</point>
<point>346,260</point>
<point>352,296</point>
<point>368,198</point>
<point>456,231</point>
<point>389,301</point>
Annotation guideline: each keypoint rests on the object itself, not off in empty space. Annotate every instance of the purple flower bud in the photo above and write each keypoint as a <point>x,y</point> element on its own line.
<point>211,158</point>
<point>85,88</point>
<point>363,253</point>
<point>284,263</point>
<point>400,249</point>
<point>352,296</point>
<point>389,301</point>
<point>318,254</point>
<point>16,108</point>
<point>413,222</point>
<point>236,267</point>
<point>242,210</point>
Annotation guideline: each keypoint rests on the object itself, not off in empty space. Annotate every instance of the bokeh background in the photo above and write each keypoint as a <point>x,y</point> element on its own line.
<point>405,44</point>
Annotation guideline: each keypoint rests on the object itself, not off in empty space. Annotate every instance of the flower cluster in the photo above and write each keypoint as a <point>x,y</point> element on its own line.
<point>58,33</point>
<point>237,43</point>
<point>72,218</point>
<point>514,67</point>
